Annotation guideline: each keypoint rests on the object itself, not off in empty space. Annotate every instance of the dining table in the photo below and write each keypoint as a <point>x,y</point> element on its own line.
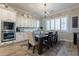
<point>40,38</point>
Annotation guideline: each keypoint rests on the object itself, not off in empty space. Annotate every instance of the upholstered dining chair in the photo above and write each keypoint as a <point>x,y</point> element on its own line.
<point>31,40</point>
<point>50,38</point>
<point>56,37</point>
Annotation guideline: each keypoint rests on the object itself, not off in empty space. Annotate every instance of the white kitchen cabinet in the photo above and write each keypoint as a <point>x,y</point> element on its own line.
<point>21,36</point>
<point>18,21</point>
<point>11,15</point>
<point>0,20</point>
<point>7,15</point>
<point>0,36</point>
<point>4,14</point>
<point>21,21</point>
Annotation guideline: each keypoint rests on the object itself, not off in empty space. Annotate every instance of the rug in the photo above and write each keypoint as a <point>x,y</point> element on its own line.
<point>46,52</point>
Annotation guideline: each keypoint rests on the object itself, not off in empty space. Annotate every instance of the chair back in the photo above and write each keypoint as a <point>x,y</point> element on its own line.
<point>56,33</point>
<point>31,38</point>
<point>50,34</point>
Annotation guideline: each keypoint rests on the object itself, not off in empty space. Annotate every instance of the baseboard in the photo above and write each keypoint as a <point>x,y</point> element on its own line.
<point>66,40</point>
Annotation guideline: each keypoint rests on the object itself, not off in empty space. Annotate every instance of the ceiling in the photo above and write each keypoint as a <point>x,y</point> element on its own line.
<point>38,8</point>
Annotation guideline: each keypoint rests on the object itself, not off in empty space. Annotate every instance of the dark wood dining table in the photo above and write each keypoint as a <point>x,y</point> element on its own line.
<point>40,38</point>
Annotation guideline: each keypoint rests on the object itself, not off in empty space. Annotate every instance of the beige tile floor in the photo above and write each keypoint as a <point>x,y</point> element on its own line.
<point>21,49</point>
<point>68,49</point>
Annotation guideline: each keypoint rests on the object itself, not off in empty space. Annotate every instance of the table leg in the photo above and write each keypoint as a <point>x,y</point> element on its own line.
<point>40,46</point>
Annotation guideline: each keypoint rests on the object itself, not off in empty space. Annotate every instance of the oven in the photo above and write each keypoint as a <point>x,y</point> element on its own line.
<point>8,31</point>
<point>8,36</point>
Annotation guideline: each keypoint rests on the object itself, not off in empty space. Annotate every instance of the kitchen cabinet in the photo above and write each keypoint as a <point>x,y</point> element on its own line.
<point>21,21</point>
<point>20,36</point>
<point>7,15</point>
<point>18,21</point>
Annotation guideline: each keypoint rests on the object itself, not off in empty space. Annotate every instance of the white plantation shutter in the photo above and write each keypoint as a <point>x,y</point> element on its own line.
<point>64,23</point>
<point>52,24</point>
<point>57,24</point>
<point>48,24</point>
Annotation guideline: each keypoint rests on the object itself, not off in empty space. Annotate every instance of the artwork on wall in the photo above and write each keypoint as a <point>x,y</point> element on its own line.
<point>75,22</point>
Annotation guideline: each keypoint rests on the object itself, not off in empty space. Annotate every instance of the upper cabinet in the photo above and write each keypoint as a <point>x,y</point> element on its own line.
<point>23,21</point>
<point>20,20</point>
<point>7,15</point>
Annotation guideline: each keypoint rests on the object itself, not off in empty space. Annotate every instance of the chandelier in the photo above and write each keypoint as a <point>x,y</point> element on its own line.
<point>4,5</point>
<point>45,11</point>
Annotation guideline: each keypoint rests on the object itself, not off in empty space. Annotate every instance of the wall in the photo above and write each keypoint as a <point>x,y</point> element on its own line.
<point>68,36</point>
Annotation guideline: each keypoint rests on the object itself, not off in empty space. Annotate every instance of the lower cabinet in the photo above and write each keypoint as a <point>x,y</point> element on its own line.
<point>20,36</point>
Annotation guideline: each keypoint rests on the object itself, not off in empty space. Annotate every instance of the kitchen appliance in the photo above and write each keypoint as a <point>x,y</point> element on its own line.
<point>8,31</point>
<point>8,26</point>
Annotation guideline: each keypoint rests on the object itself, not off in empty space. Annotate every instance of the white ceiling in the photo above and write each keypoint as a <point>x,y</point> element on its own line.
<point>38,8</point>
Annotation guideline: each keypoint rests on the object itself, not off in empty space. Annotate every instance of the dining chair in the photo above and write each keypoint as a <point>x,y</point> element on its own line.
<point>31,40</point>
<point>45,42</point>
<point>55,37</point>
<point>50,38</point>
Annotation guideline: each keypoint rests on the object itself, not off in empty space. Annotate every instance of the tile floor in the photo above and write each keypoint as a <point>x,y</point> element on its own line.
<point>21,49</point>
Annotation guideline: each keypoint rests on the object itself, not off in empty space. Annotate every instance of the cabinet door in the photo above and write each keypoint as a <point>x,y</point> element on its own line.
<point>18,21</point>
<point>21,36</point>
<point>11,15</point>
<point>4,14</point>
<point>21,21</point>
<point>7,15</point>
<point>0,19</point>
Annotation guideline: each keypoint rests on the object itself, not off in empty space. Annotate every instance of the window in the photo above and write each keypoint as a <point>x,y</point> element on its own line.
<point>37,23</point>
<point>57,24</point>
<point>48,24</point>
<point>52,24</point>
<point>33,23</point>
<point>64,23</point>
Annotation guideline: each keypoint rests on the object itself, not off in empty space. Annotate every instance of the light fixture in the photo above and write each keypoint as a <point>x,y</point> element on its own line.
<point>6,5</point>
<point>45,10</point>
<point>46,13</point>
<point>45,4</point>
